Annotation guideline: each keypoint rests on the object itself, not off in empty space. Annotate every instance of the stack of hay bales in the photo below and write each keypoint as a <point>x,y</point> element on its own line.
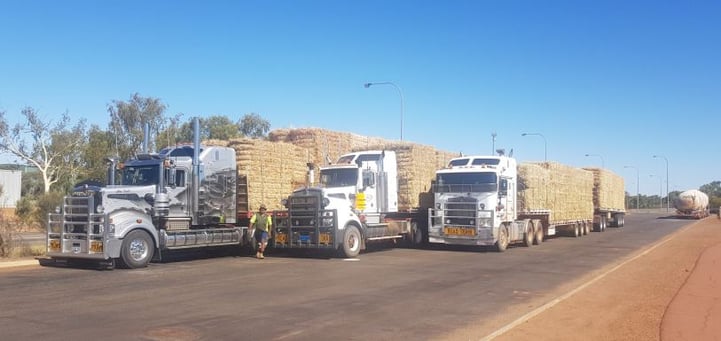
<point>269,170</point>
<point>321,143</point>
<point>566,191</point>
<point>609,191</point>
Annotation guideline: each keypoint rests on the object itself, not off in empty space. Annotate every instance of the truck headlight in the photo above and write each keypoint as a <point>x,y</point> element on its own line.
<point>100,209</point>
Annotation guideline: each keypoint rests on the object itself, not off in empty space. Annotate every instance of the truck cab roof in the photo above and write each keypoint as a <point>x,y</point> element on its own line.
<point>366,155</point>
<point>480,162</point>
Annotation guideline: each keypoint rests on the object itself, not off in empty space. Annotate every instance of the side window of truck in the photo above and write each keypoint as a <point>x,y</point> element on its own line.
<point>180,178</point>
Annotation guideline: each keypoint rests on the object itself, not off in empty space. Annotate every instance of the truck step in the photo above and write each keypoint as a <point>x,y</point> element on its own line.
<point>386,237</point>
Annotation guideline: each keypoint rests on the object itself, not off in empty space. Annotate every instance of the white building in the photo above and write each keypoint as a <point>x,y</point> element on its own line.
<point>11,182</point>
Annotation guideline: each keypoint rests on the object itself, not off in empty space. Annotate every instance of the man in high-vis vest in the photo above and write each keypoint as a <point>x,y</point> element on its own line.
<point>262,224</point>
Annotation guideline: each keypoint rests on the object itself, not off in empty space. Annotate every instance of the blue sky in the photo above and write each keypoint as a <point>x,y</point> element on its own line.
<point>621,79</point>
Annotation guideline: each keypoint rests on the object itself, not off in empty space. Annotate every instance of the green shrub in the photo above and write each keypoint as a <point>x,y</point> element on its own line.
<point>25,209</point>
<point>46,203</point>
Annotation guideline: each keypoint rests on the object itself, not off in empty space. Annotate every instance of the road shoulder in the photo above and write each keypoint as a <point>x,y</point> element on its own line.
<point>627,303</point>
<point>695,312</point>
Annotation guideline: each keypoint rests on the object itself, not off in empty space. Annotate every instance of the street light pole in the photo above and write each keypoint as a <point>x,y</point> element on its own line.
<point>400,93</point>
<point>638,193</point>
<point>667,197</point>
<point>545,145</point>
<point>603,163</point>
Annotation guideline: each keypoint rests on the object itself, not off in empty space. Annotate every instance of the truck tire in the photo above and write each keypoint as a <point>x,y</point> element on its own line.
<point>351,242</point>
<point>576,230</point>
<point>619,220</point>
<point>137,250</point>
<point>586,228</point>
<point>502,242</point>
<point>529,237</point>
<point>417,234</point>
<point>538,236</point>
<point>603,223</point>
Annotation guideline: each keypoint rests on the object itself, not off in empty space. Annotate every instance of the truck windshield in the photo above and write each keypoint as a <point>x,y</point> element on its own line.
<point>466,182</point>
<point>339,177</point>
<point>140,175</point>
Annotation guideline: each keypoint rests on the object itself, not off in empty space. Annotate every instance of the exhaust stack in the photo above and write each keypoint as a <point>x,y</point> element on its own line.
<point>196,170</point>
<point>311,174</point>
<point>146,137</point>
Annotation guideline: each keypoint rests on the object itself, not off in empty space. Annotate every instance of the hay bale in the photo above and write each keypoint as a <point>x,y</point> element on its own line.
<point>566,191</point>
<point>609,191</point>
<point>322,146</point>
<point>270,171</point>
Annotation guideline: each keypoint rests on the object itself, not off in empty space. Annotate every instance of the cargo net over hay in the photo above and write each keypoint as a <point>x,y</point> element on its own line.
<point>417,163</point>
<point>566,191</point>
<point>609,190</point>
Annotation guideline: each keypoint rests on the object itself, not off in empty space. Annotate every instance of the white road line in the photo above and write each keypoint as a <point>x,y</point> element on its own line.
<point>561,298</point>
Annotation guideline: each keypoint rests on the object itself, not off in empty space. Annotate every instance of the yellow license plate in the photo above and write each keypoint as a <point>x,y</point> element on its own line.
<point>459,231</point>
<point>324,238</point>
<point>54,245</point>
<point>281,238</point>
<point>96,247</point>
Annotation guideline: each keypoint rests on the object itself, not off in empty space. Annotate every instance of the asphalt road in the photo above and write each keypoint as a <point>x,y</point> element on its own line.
<point>388,293</point>
<point>31,239</point>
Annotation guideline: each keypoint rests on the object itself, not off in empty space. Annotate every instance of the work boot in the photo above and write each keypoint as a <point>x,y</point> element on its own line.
<point>258,255</point>
<point>261,256</point>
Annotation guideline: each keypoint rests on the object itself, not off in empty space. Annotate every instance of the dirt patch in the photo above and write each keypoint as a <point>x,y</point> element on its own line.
<point>626,304</point>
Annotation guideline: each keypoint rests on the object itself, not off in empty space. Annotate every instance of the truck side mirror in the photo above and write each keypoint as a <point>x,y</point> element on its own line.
<point>503,190</point>
<point>369,179</point>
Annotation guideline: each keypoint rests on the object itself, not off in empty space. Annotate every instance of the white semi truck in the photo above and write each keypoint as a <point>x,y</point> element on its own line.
<point>356,203</point>
<point>182,197</point>
<point>477,203</point>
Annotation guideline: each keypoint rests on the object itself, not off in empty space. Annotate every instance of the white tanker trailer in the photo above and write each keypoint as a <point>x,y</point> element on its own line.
<point>692,204</point>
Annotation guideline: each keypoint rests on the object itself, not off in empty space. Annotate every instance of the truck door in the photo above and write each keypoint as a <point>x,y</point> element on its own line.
<point>507,200</point>
<point>177,188</point>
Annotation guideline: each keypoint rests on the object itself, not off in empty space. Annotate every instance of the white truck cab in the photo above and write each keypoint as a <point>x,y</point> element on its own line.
<point>475,203</point>
<point>355,202</point>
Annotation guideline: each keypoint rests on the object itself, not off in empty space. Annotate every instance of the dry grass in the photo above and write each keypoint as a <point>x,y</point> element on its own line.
<point>10,245</point>
<point>24,251</point>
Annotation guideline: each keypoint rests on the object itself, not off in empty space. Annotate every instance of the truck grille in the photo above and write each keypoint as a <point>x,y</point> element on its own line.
<point>461,210</point>
<point>305,224</point>
<point>76,231</point>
